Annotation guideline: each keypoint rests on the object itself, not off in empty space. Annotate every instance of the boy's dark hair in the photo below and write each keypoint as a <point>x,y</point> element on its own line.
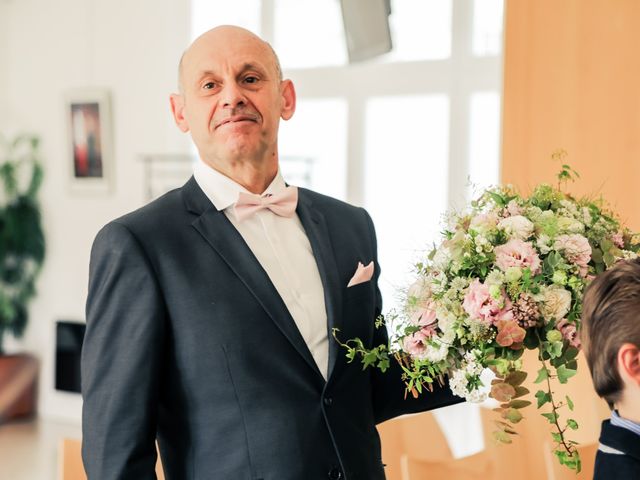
<point>611,318</point>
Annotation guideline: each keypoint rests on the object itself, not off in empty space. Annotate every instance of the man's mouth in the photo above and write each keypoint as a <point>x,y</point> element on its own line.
<point>236,119</point>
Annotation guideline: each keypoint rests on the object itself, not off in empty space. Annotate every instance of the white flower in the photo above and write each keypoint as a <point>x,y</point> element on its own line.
<point>447,313</point>
<point>545,217</point>
<point>477,396</point>
<point>544,244</point>
<point>587,219</point>
<point>554,302</point>
<point>459,379</point>
<point>420,289</point>
<point>533,213</point>
<point>459,283</point>
<point>513,274</point>
<point>439,285</point>
<point>442,258</point>
<point>438,348</point>
<point>484,222</point>
<point>472,367</point>
<point>517,227</point>
<point>629,255</point>
<point>446,320</point>
<point>570,208</point>
<point>458,383</point>
<point>495,277</point>
<point>570,225</point>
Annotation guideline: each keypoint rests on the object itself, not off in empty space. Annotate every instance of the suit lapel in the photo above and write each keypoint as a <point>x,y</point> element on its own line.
<point>317,231</point>
<point>223,237</point>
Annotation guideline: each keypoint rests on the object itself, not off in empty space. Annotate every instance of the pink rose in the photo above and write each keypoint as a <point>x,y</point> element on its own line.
<point>424,315</point>
<point>569,332</point>
<point>617,240</point>
<point>516,253</point>
<point>512,209</point>
<point>484,222</point>
<point>576,249</point>
<point>416,343</point>
<point>480,305</point>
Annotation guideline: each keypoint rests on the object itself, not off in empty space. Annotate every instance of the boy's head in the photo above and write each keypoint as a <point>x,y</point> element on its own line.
<point>610,331</point>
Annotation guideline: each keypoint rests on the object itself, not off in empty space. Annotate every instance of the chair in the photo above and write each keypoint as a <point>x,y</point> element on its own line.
<point>70,461</point>
<point>473,467</point>
<point>408,435</point>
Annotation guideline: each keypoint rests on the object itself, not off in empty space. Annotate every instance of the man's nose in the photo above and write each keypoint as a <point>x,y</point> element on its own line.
<point>232,96</point>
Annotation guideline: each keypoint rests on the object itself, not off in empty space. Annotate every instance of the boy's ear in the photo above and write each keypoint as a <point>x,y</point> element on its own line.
<point>629,363</point>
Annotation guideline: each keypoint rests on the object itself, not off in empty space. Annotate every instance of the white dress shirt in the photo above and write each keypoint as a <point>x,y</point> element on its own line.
<point>281,246</point>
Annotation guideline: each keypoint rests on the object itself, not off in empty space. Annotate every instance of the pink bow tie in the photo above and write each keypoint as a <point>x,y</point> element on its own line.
<point>282,203</point>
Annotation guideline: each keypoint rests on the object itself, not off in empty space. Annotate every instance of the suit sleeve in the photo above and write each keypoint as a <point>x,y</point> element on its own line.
<point>388,388</point>
<point>121,357</point>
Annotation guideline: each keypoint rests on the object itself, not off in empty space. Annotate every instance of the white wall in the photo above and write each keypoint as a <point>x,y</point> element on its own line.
<point>131,48</point>
<point>4,9</point>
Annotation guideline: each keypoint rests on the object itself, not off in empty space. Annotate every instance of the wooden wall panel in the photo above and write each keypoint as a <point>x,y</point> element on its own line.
<point>572,82</point>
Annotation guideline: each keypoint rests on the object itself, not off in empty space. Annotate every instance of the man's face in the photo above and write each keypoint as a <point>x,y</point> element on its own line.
<point>232,98</point>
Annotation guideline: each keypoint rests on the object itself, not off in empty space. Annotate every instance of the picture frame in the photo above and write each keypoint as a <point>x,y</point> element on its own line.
<point>90,139</point>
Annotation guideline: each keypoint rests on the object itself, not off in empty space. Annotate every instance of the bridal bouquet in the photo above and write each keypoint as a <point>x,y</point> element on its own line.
<point>508,275</point>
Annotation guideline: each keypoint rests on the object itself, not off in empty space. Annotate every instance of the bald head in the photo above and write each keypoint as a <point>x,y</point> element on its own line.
<point>220,38</point>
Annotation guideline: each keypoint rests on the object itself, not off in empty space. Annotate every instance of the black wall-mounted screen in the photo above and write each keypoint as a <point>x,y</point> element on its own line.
<point>69,336</point>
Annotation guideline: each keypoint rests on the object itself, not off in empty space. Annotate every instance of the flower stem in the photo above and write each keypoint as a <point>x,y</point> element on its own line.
<point>555,408</point>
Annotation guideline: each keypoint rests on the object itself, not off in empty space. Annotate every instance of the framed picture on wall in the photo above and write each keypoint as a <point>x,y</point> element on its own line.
<point>90,160</point>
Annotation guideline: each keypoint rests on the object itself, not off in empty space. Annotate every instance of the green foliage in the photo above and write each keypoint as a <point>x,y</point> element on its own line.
<point>572,424</point>
<point>22,245</point>
<point>545,300</point>
<point>567,173</point>
<point>371,357</point>
<point>543,397</point>
<point>571,460</point>
<point>569,403</point>
<point>564,373</point>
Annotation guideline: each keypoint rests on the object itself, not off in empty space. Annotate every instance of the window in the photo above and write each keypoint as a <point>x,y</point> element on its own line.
<point>406,179</point>
<point>207,14</point>
<point>420,30</point>
<point>313,146</point>
<point>309,33</point>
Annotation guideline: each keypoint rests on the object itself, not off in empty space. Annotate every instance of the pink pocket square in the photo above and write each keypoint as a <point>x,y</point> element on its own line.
<point>363,274</point>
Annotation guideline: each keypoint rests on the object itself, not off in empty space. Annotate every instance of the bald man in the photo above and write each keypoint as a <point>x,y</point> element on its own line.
<point>210,309</point>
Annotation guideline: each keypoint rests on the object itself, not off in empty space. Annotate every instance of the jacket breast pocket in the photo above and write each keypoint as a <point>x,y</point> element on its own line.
<point>358,311</point>
<point>360,292</point>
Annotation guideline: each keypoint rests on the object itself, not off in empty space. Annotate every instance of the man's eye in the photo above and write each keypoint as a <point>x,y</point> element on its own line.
<point>209,85</point>
<point>251,79</point>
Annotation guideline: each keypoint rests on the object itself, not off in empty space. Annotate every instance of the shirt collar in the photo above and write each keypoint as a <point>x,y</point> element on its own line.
<point>618,421</point>
<point>222,190</point>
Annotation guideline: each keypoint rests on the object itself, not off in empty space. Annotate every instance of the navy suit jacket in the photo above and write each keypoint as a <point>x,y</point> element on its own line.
<point>188,341</point>
<point>624,465</point>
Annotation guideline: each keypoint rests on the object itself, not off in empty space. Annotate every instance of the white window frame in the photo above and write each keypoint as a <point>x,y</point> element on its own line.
<point>458,77</point>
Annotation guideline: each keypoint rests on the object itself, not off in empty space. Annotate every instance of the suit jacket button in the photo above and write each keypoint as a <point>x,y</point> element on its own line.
<point>335,473</point>
<point>328,401</point>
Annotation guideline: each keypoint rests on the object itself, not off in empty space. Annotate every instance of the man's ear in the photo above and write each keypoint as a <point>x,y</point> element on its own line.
<point>288,99</point>
<point>629,362</point>
<point>177,108</point>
